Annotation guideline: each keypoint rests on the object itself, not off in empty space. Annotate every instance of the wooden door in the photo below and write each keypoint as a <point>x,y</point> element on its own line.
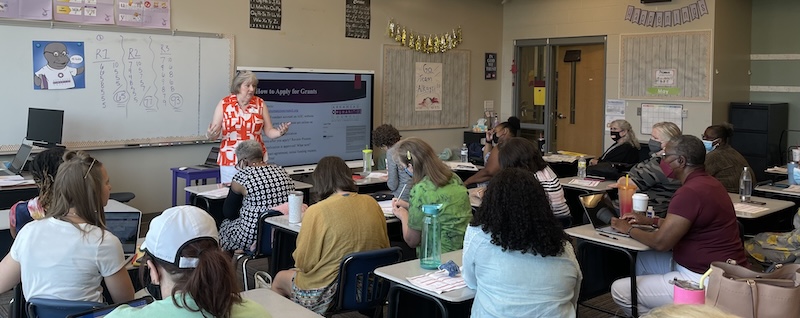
<point>581,130</point>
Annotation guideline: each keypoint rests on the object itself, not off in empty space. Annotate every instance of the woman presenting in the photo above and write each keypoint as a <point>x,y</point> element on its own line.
<point>238,117</point>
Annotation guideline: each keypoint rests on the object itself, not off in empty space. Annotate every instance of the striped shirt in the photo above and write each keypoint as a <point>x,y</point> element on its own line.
<point>555,192</point>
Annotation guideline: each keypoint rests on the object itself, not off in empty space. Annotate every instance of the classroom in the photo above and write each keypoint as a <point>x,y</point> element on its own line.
<point>751,56</point>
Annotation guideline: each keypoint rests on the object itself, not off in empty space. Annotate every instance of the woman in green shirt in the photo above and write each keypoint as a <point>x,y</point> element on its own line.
<point>434,183</point>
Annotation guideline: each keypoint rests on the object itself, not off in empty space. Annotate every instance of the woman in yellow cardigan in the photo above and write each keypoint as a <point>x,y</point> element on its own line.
<point>343,222</point>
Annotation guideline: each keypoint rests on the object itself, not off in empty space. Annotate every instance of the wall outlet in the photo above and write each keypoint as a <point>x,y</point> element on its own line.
<point>685,113</point>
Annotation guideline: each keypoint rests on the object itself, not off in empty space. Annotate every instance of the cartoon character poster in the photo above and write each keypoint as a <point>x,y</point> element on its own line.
<point>58,65</point>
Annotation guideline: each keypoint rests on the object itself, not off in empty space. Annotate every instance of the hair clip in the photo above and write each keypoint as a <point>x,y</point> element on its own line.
<point>408,154</point>
<point>90,168</point>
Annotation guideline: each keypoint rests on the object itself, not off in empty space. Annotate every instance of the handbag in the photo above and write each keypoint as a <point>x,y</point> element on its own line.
<point>263,280</point>
<point>740,291</point>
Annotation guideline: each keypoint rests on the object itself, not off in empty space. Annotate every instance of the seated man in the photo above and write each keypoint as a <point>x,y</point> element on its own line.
<point>700,228</point>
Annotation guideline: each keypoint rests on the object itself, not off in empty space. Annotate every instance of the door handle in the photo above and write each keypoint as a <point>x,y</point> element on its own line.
<point>561,116</point>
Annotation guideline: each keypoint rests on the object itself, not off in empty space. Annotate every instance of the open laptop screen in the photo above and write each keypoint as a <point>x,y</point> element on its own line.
<point>599,208</point>
<point>125,226</point>
<point>20,159</point>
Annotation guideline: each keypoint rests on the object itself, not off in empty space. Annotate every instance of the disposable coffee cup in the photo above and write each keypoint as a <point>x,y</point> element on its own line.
<point>640,201</point>
<point>796,154</point>
<point>295,207</point>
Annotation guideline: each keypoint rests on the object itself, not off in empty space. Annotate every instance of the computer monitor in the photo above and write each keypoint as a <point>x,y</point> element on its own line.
<point>45,126</point>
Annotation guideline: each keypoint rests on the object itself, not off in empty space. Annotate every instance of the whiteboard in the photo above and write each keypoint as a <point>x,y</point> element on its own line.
<point>138,86</point>
<point>656,113</point>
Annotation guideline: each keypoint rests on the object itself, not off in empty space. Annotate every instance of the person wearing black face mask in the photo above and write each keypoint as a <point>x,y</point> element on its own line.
<point>625,150</point>
<point>647,175</point>
<point>500,134</point>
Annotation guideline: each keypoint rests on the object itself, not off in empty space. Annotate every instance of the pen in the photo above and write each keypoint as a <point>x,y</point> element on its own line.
<point>401,191</point>
<point>608,236</point>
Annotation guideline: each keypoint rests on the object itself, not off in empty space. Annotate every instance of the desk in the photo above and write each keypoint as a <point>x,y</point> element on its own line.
<point>284,242</point>
<point>626,245</point>
<point>772,206</point>
<point>190,174</point>
<point>600,187</point>
<point>277,305</point>
<point>779,190</point>
<point>397,273</point>
<point>12,194</point>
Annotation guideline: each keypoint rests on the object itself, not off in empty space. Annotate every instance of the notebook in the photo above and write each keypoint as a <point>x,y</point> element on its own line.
<point>19,161</point>
<point>211,159</point>
<point>102,311</point>
<point>599,210</point>
<point>125,226</point>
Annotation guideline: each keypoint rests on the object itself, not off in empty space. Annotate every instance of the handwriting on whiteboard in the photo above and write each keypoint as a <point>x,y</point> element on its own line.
<point>136,73</point>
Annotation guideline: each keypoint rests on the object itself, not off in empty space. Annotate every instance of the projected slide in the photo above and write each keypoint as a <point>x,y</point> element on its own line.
<point>331,114</point>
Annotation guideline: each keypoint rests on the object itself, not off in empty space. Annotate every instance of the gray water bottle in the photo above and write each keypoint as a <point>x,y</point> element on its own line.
<point>581,168</point>
<point>745,185</point>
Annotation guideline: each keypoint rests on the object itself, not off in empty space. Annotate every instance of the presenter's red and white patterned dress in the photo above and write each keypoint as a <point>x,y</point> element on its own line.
<point>240,124</point>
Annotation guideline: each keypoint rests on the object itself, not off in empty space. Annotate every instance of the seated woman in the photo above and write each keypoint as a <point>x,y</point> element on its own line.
<point>256,188</point>
<point>491,157</point>
<point>722,161</point>
<point>43,169</point>
<point>648,176</point>
<point>434,183</point>
<point>343,222</point>
<point>66,254</point>
<point>519,152</point>
<point>194,276</point>
<point>513,235</point>
<point>399,181</point>
<point>625,150</point>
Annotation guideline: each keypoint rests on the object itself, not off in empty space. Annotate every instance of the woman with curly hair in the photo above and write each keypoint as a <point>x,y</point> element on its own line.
<point>516,255</point>
<point>385,136</point>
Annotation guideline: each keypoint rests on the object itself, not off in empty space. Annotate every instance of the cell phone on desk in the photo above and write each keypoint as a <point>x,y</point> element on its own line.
<point>780,185</point>
<point>756,202</point>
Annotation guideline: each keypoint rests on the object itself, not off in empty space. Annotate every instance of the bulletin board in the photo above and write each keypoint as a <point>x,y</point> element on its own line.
<point>666,66</point>
<point>400,108</point>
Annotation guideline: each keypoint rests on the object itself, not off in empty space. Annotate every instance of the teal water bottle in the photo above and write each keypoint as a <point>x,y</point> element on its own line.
<point>430,256</point>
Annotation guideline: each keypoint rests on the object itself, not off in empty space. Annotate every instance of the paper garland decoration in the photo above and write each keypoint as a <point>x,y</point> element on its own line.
<point>438,43</point>
<point>669,18</point>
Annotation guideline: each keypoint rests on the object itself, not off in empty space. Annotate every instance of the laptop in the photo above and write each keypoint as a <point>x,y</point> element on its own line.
<point>211,160</point>
<point>599,210</point>
<point>105,310</point>
<point>125,226</point>
<point>19,161</point>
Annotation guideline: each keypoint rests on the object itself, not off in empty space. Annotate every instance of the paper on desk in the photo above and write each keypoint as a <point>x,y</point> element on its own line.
<point>585,183</point>
<point>793,188</point>
<point>386,206</point>
<point>378,175</point>
<point>15,177</point>
<point>559,158</point>
<point>779,170</point>
<point>13,182</point>
<point>438,281</point>
<point>457,165</point>
<point>215,194</point>
<point>748,208</point>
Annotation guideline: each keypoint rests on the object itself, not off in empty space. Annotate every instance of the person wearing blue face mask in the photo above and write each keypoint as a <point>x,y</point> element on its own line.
<point>722,161</point>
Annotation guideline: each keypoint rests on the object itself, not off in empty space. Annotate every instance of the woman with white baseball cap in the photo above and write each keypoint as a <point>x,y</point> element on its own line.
<point>185,261</point>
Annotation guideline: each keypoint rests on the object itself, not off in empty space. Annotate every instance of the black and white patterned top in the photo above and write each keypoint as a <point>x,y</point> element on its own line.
<point>267,186</point>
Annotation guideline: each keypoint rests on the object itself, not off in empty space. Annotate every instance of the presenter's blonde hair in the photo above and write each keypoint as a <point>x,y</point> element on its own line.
<point>243,77</point>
